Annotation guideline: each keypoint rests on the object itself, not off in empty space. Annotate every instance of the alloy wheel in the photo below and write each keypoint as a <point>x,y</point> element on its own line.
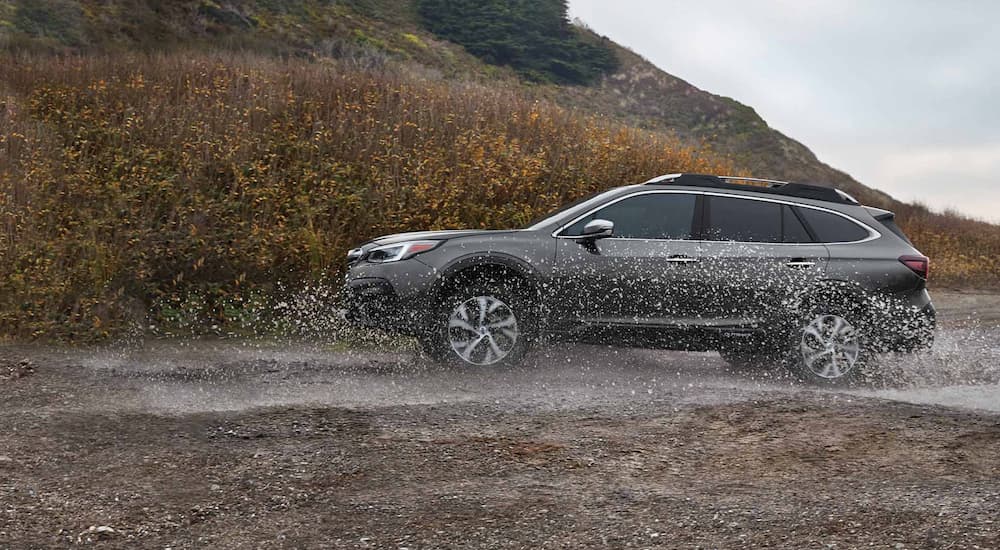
<point>482,330</point>
<point>830,346</point>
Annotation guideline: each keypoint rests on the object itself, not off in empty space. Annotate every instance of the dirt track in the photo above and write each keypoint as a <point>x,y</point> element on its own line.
<point>227,445</point>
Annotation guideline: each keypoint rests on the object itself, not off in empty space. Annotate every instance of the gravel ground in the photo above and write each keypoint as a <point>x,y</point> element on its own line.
<point>243,445</point>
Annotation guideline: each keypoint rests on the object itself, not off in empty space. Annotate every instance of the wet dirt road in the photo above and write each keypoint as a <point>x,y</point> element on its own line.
<point>222,444</point>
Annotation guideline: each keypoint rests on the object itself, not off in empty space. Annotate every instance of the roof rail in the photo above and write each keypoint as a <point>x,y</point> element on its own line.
<point>775,187</point>
<point>731,179</point>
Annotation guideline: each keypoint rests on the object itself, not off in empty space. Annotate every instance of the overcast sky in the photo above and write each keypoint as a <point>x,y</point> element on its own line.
<point>902,94</point>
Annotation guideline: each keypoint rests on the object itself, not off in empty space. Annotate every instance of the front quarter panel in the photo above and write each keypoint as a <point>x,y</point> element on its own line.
<point>529,252</point>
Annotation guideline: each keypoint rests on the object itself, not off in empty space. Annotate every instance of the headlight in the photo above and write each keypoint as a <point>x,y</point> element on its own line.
<point>399,251</point>
<point>355,255</point>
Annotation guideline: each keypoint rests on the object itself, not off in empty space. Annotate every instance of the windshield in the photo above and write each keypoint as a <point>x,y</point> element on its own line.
<point>567,211</point>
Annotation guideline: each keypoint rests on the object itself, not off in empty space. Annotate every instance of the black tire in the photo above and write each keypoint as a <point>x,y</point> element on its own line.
<point>432,346</point>
<point>829,347</point>
<point>748,360</point>
<point>740,361</point>
<point>497,327</point>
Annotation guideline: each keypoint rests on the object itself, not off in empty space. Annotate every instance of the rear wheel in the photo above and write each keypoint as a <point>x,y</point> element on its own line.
<point>481,326</point>
<point>829,346</point>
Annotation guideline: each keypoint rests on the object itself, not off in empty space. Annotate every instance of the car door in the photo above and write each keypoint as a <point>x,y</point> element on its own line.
<point>757,259</point>
<point>640,276</point>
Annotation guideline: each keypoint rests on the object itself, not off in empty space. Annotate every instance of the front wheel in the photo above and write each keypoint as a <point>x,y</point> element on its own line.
<point>481,326</point>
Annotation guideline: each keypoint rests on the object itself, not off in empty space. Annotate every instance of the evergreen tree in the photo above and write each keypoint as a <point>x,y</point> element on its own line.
<point>532,36</point>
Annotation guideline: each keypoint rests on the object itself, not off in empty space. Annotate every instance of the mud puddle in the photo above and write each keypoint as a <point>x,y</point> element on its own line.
<point>191,377</point>
<point>182,377</point>
<point>986,398</point>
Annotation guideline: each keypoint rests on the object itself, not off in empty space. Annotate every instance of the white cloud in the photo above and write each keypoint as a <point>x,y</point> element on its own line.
<point>965,178</point>
<point>874,88</point>
<point>965,161</point>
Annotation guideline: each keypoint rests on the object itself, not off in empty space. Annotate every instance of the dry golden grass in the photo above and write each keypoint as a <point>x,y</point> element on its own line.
<point>132,182</point>
<point>964,252</point>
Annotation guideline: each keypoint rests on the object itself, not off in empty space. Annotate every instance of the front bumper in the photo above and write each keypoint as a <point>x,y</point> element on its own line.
<point>373,303</point>
<point>393,297</point>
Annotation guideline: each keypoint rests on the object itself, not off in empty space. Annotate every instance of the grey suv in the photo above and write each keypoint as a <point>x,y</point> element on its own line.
<point>764,272</point>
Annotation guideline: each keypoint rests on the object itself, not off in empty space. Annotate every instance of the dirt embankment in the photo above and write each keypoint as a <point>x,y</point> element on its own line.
<point>233,446</point>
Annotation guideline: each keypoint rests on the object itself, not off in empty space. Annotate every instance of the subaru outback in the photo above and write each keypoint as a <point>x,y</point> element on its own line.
<point>764,272</point>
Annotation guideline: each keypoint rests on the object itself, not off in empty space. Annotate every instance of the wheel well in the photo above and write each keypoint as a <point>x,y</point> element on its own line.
<point>841,294</point>
<point>486,273</point>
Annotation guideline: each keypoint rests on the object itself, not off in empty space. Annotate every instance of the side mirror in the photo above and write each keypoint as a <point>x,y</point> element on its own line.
<point>597,229</point>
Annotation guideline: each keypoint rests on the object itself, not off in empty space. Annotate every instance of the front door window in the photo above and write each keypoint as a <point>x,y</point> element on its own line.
<point>647,216</point>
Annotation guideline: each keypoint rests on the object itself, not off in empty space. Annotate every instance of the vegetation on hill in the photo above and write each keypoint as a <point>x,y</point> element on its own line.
<point>200,183</point>
<point>532,36</point>
<point>364,30</point>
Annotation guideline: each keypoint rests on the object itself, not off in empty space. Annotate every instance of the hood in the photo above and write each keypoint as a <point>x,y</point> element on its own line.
<point>430,236</point>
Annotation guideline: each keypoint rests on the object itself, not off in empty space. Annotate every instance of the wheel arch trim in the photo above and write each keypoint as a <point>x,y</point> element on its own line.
<point>838,289</point>
<point>485,260</point>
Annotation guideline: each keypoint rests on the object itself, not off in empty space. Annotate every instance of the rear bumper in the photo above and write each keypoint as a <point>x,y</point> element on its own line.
<point>907,328</point>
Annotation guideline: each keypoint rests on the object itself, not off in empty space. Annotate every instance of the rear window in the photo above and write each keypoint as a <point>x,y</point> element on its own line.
<point>832,228</point>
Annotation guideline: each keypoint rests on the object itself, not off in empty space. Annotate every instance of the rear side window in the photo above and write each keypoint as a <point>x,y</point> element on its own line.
<point>792,228</point>
<point>647,216</point>
<point>890,224</point>
<point>745,220</point>
<point>831,228</point>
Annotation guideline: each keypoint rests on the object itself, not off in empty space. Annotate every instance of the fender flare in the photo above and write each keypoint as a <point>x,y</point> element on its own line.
<point>838,290</point>
<point>473,261</point>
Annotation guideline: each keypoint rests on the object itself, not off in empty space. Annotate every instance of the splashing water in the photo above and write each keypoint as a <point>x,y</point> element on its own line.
<point>179,376</point>
<point>961,370</point>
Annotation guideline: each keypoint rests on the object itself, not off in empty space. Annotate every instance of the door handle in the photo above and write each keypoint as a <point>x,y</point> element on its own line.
<point>681,259</point>
<point>800,263</point>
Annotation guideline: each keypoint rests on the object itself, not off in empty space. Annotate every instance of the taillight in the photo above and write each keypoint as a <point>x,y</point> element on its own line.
<point>918,264</point>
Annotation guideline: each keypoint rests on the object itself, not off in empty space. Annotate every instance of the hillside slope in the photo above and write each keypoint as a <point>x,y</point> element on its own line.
<point>371,31</point>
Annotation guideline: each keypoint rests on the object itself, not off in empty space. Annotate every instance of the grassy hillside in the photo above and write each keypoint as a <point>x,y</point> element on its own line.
<point>140,176</point>
<point>506,38</point>
<point>366,32</point>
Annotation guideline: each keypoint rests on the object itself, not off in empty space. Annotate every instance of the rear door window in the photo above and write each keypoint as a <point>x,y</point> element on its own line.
<point>646,216</point>
<point>744,220</point>
<point>792,229</point>
<point>832,228</point>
